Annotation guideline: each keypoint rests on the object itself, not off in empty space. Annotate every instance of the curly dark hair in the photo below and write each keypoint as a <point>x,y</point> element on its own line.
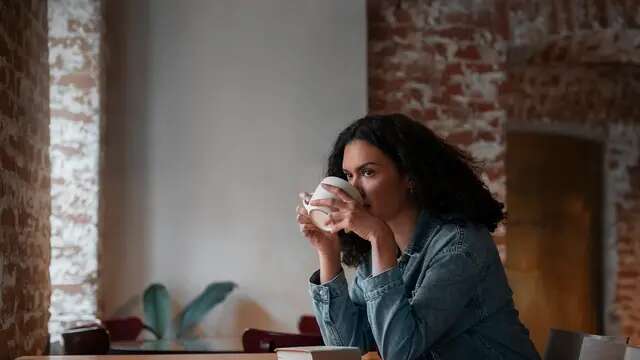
<point>446,178</point>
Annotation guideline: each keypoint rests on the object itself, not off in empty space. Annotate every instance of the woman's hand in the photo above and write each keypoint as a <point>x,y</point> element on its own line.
<point>349,215</point>
<point>325,243</point>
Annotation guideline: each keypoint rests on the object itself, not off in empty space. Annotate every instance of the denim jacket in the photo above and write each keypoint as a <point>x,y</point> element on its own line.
<point>447,298</point>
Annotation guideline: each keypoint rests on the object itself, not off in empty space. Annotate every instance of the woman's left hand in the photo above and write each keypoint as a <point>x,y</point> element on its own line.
<point>349,215</point>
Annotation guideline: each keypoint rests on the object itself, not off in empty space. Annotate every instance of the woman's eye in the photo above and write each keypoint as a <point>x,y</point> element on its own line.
<point>367,172</point>
<point>348,176</point>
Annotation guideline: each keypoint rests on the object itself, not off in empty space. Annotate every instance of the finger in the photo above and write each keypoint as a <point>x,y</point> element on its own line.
<point>308,227</point>
<point>301,210</point>
<point>341,194</point>
<point>334,218</point>
<point>336,222</point>
<point>333,204</point>
<point>303,219</point>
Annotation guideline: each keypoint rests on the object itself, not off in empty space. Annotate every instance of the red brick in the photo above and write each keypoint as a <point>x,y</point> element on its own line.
<point>458,33</point>
<point>24,73</point>
<point>463,138</point>
<point>374,13</point>
<point>628,273</point>
<point>501,19</point>
<point>453,69</point>
<point>429,114</point>
<point>455,17</point>
<point>402,16</point>
<point>7,162</point>
<point>482,106</point>
<point>8,218</point>
<point>505,86</point>
<point>440,49</point>
<point>455,89</point>
<point>468,53</point>
<point>487,136</point>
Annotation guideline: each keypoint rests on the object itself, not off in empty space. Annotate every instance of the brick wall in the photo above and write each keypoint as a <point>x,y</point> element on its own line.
<point>74,55</point>
<point>442,62</point>
<point>471,69</point>
<point>24,178</point>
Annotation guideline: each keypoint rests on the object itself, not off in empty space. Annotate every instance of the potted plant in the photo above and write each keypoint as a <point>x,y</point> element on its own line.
<point>158,315</point>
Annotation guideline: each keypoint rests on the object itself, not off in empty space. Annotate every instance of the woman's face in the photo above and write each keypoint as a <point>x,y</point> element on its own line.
<point>384,190</point>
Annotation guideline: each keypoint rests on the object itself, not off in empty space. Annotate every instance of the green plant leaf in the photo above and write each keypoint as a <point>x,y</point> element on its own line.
<point>157,308</point>
<point>193,313</point>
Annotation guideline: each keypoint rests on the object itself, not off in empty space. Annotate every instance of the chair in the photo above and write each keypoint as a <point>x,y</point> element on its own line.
<point>308,325</point>
<point>90,339</point>
<point>126,329</point>
<point>594,348</point>
<point>263,341</point>
<point>567,345</point>
<point>632,353</point>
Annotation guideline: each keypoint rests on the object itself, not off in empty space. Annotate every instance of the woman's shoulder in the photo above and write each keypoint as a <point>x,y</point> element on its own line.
<point>456,233</point>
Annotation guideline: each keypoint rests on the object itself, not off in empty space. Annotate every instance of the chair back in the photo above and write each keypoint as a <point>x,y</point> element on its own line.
<point>595,348</point>
<point>124,329</point>
<point>86,340</point>
<point>632,353</point>
<point>567,345</point>
<point>263,341</point>
<point>308,325</point>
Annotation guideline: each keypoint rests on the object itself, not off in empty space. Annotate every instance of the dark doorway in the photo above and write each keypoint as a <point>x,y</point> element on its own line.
<point>554,232</point>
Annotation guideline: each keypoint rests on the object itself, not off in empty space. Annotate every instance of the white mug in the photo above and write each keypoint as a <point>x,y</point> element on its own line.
<point>320,214</point>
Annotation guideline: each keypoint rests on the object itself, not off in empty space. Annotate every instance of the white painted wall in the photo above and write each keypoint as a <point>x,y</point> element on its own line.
<point>219,113</point>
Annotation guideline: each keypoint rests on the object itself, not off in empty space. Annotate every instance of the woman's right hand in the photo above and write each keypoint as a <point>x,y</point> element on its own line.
<point>325,243</point>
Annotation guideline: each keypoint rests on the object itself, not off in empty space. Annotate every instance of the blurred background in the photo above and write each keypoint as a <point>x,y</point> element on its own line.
<point>160,141</point>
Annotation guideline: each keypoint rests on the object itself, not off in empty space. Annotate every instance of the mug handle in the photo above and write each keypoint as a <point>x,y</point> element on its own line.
<point>306,205</point>
<point>305,201</point>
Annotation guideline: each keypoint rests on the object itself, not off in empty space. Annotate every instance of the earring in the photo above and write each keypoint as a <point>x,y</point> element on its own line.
<point>412,187</point>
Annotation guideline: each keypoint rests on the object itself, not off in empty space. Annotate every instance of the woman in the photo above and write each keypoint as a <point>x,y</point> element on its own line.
<point>429,282</point>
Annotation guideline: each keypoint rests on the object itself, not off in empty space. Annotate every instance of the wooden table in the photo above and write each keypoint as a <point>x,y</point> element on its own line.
<point>270,356</point>
<point>199,346</point>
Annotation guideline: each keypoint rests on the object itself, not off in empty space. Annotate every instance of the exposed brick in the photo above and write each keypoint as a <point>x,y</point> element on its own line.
<point>461,138</point>
<point>8,218</point>
<point>482,106</point>
<point>429,114</point>
<point>453,70</point>
<point>468,53</point>
<point>73,37</point>
<point>24,106</point>
<point>459,33</point>
<point>556,32</point>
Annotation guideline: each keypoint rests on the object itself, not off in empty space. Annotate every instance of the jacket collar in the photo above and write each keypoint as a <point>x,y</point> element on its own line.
<point>425,225</point>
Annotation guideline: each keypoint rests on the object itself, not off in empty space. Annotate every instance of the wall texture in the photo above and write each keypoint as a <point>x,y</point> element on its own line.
<point>473,69</point>
<point>24,178</point>
<point>442,62</point>
<point>75,94</point>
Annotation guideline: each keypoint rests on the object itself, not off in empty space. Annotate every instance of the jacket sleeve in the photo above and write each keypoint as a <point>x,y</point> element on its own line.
<point>342,317</point>
<point>406,328</point>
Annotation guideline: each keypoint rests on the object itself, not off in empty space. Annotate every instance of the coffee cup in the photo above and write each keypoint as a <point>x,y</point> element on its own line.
<point>320,214</point>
